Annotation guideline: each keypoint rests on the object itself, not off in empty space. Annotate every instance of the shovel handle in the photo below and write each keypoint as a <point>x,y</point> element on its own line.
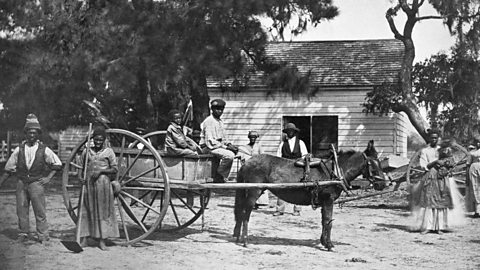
<point>80,213</point>
<point>82,193</point>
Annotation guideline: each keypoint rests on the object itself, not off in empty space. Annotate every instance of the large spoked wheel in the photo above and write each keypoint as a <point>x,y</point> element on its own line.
<point>185,205</point>
<point>459,172</point>
<point>143,201</point>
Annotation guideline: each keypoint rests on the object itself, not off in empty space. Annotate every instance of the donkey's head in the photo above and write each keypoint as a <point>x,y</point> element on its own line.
<point>364,163</point>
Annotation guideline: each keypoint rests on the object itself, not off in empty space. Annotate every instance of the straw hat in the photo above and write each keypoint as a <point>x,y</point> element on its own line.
<point>290,126</point>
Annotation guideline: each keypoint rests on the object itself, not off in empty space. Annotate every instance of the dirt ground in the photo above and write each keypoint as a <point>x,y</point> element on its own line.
<point>372,233</point>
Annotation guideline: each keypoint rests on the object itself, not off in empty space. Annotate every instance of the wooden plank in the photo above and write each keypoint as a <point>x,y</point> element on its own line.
<point>235,185</point>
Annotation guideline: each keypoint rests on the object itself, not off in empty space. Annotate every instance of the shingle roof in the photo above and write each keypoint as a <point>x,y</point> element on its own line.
<point>340,63</point>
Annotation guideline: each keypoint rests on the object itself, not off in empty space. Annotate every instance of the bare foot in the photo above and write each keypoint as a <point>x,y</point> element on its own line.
<point>83,242</point>
<point>102,245</point>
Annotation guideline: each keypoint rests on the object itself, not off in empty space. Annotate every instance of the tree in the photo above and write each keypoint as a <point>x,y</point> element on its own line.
<point>141,56</point>
<point>401,97</point>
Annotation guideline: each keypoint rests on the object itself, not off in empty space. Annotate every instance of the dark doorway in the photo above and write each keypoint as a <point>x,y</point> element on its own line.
<point>324,134</point>
<point>318,132</point>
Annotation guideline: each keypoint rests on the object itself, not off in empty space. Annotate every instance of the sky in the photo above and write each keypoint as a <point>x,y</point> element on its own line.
<point>365,19</point>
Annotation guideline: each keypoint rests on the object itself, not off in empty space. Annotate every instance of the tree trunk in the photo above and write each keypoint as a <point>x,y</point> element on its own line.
<point>200,100</point>
<point>141,107</point>
<point>408,103</point>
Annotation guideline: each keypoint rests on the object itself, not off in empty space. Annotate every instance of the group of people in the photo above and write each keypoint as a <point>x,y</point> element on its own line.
<point>435,198</point>
<point>35,164</point>
<point>213,140</point>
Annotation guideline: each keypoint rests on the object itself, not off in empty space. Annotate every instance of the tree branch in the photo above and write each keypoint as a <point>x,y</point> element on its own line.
<point>404,5</point>
<point>389,16</point>
<point>428,17</point>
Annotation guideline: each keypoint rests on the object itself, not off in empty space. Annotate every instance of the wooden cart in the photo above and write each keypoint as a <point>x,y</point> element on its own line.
<point>157,189</point>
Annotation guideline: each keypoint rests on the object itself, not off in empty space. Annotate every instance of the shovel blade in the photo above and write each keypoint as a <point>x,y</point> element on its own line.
<point>73,246</point>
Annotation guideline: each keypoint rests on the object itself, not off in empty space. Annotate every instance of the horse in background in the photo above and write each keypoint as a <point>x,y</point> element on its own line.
<point>271,169</point>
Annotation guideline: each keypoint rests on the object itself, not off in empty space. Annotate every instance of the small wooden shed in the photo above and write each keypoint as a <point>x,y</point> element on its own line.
<point>342,72</point>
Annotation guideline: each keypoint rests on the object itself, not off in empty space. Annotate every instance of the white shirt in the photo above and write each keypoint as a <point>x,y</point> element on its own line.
<point>50,157</point>
<point>428,155</point>
<point>291,143</point>
<point>213,133</point>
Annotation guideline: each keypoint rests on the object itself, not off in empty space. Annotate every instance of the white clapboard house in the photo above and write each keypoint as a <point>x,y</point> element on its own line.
<point>341,73</point>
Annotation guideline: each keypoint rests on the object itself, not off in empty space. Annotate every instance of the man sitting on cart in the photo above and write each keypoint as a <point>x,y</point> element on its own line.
<point>214,140</point>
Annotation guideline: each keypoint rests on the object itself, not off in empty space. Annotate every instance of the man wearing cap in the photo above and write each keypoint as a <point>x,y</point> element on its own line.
<point>292,148</point>
<point>214,140</point>
<point>34,165</point>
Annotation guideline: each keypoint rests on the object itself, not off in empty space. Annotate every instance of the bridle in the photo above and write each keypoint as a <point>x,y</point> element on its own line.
<point>369,175</point>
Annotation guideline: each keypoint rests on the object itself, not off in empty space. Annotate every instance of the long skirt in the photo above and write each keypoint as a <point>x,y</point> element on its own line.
<point>431,202</point>
<point>472,196</point>
<point>99,219</point>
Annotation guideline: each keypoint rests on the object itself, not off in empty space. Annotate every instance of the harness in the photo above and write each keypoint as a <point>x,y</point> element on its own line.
<point>335,173</point>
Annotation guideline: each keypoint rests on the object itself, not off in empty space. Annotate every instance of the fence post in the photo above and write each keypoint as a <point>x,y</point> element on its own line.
<point>3,151</point>
<point>9,144</point>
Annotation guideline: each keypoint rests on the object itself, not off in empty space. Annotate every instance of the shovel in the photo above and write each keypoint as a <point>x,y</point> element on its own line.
<point>75,246</point>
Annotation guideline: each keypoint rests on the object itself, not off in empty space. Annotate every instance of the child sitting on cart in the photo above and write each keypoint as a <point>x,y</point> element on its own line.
<point>176,143</point>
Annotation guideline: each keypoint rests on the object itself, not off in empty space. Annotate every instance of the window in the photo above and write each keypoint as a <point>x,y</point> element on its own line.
<point>318,132</point>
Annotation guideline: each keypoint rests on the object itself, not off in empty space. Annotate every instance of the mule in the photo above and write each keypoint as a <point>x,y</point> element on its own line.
<point>271,169</point>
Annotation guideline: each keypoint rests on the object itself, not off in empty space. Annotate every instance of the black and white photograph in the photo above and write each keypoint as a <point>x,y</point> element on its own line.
<point>239,134</point>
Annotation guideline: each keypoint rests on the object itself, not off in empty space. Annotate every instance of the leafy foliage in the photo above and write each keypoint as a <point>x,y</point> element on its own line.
<point>137,59</point>
<point>439,83</point>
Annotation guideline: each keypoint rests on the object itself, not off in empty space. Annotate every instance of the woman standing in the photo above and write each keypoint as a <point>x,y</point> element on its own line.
<point>99,220</point>
<point>435,196</point>
<point>472,196</point>
<point>247,151</point>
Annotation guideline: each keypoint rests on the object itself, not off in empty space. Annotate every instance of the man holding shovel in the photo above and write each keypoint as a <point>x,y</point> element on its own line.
<point>34,164</point>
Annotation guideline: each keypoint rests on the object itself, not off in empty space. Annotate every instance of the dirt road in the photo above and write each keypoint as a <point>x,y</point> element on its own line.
<point>373,233</point>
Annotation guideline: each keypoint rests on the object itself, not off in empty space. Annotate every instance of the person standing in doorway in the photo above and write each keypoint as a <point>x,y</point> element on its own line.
<point>34,165</point>
<point>292,148</point>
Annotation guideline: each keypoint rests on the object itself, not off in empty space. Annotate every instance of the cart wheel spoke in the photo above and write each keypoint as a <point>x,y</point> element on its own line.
<point>151,203</point>
<point>185,204</point>
<point>140,202</point>
<point>77,166</point>
<point>133,178</point>
<point>175,214</point>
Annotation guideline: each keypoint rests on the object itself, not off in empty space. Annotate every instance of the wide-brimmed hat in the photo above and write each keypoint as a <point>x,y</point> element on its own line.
<point>253,133</point>
<point>290,126</point>
<point>218,103</point>
<point>32,122</point>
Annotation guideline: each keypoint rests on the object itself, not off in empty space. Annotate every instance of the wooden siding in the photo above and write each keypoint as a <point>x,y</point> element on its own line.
<point>255,110</point>
<point>402,131</point>
<point>69,139</point>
